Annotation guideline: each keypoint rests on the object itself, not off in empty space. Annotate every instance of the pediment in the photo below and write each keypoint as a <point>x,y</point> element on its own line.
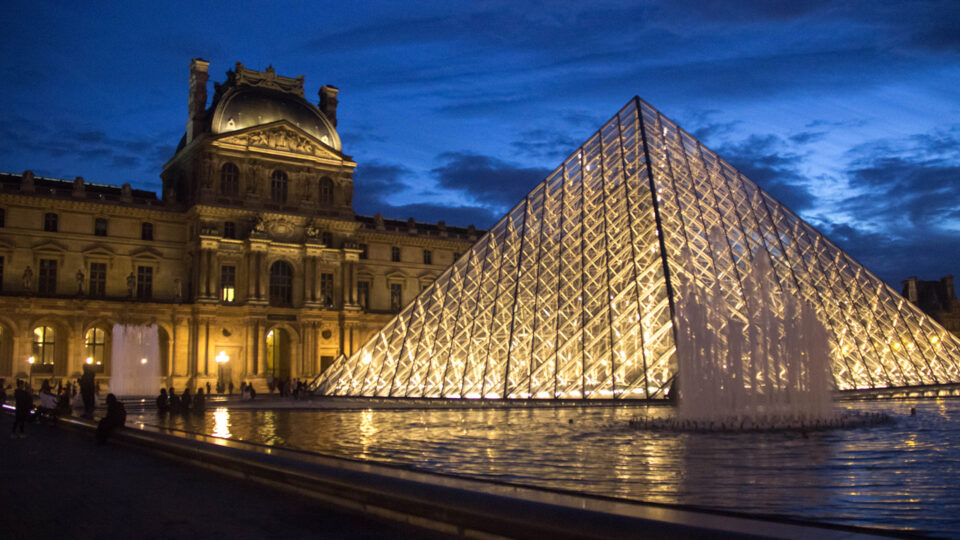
<point>281,136</point>
<point>49,247</point>
<point>396,275</point>
<point>98,250</point>
<point>146,253</point>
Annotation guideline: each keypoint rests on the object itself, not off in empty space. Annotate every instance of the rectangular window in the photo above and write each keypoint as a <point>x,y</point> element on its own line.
<point>455,256</point>
<point>396,297</point>
<point>50,222</point>
<point>395,254</point>
<point>98,280</point>
<point>327,238</point>
<point>228,283</point>
<point>363,294</point>
<point>229,230</point>
<point>146,231</point>
<point>100,227</point>
<point>363,251</point>
<point>3,217</point>
<point>144,282</point>
<point>47,285</point>
<point>326,289</point>
<point>427,257</point>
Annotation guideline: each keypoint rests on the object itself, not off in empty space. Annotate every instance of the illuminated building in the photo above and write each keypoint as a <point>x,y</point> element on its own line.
<point>937,298</point>
<point>253,250</point>
<point>572,294</point>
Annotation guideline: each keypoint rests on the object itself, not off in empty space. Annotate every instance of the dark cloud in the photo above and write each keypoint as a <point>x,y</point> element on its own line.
<point>375,184</point>
<point>545,144</point>
<point>705,128</point>
<point>895,257</point>
<point>805,137</point>
<point>485,179</point>
<point>768,162</point>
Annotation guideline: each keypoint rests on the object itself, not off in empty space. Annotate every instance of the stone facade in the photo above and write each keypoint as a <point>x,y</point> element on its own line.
<point>253,253</point>
<point>937,298</point>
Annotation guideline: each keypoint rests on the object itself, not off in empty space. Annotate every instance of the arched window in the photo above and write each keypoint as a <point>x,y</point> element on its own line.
<point>96,349</point>
<point>326,191</point>
<point>281,284</point>
<point>44,347</point>
<point>229,180</point>
<point>278,187</point>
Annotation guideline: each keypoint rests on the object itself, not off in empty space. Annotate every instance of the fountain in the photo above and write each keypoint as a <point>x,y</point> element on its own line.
<point>135,360</point>
<point>768,370</point>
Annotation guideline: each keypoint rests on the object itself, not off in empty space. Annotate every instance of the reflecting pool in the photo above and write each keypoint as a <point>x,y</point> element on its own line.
<point>903,475</point>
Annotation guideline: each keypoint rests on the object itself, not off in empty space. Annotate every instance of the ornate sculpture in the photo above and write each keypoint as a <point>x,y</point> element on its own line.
<point>131,284</point>
<point>27,279</point>
<point>259,225</point>
<point>80,277</point>
<point>178,289</point>
<point>311,232</point>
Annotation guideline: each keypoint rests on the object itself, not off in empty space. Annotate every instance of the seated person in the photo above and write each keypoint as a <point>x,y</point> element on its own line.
<point>115,418</point>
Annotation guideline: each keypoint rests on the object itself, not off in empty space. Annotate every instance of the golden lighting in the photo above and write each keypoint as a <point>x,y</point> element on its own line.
<point>89,360</point>
<point>31,360</point>
<point>222,358</point>
<point>143,360</point>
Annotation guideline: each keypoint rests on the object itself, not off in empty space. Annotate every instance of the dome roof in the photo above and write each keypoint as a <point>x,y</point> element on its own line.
<point>243,106</point>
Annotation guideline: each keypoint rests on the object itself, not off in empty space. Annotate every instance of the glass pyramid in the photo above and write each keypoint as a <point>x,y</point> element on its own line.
<point>572,294</point>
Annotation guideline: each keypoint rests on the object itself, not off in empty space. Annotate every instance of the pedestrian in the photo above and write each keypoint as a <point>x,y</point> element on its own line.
<point>199,403</point>
<point>87,390</point>
<point>208,387</point>
<point>163,402</point>
<point>116,417</point>
<point>3,393</point>
<point>185,401</point>
<point>23,403</point>
<point>174,401</point>
<point>48,403</point>
<point>230,388</point>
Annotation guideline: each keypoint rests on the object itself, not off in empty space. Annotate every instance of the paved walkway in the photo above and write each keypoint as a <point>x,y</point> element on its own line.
<point>57,483</point>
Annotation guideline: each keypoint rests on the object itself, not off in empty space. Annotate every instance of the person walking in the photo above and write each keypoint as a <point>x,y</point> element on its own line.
<point>163,402</point>
<point>23,403</point>
<point>186,400</point>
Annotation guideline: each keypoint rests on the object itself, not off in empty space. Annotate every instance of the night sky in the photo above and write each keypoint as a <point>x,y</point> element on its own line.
<point>848,112</point>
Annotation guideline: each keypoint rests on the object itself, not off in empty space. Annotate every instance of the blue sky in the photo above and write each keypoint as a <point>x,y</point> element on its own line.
<point>849,112</point>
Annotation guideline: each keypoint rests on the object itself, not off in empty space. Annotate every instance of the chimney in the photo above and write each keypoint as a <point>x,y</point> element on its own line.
<point>197,100</point>
<point>26,182</point>
<point>328,102</point>
<point>78,187</point>
<point>948,287</point>
<point>910,289</point>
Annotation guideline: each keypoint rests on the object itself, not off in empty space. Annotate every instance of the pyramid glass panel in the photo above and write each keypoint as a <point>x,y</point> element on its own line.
<point>573,293</point>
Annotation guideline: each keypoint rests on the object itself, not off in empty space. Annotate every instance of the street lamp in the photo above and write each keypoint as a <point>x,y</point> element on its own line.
<point>31,360</point>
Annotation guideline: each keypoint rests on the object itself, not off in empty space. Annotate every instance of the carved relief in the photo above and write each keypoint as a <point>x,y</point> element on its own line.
<point>280,138</point>
<point>280,228</point>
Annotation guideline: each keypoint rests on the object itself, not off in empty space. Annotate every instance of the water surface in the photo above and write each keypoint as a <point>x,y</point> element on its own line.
<point>905,475</point>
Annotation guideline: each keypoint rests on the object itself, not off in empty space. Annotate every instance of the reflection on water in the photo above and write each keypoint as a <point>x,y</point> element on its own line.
<point>904,475</point>
<point>221,423</point>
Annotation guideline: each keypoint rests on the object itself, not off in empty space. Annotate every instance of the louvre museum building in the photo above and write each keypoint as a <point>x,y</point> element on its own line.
<point>251,262</point>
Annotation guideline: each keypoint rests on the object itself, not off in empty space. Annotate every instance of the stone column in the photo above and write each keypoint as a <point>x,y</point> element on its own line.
<point>204,270</point>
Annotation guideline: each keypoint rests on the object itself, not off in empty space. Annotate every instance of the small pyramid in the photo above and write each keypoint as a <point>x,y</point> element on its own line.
<point>573,294</point>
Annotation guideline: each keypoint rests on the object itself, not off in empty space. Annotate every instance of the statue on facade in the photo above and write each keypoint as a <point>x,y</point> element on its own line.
<point>259,225</point>
<point>80,278</point>
<point>311,232</point>
<point>131,284</point>
<point>27,279</point>
<point>178,289</point>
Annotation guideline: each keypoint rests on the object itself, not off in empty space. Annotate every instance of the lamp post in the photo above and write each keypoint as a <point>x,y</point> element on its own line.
<point>222,360</point>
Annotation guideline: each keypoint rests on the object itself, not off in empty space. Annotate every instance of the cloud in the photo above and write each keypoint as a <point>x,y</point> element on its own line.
<point>375,183</point>
<point>487,180</point>
<point>545,144</point>
<point>767,161</point>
